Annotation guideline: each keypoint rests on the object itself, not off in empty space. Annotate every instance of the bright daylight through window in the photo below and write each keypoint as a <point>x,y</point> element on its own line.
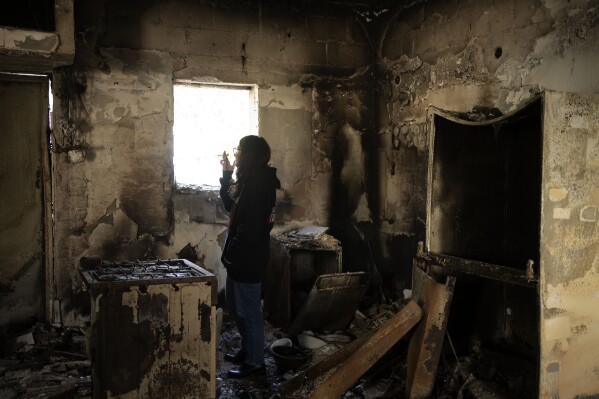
<point>209,119</point>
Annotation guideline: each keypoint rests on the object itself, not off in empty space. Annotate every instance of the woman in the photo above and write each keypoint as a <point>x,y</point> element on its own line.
<point>250,199</point>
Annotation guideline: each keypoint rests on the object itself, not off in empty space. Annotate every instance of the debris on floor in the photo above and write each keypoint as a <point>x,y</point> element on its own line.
<point>324,351</point>
<point>361,362</point>
<point>47,361</point>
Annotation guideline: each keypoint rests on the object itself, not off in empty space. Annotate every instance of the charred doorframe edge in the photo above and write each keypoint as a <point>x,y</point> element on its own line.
<point>24,60</point>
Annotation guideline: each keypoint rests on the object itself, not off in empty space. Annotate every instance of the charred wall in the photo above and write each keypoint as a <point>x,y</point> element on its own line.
<point>457,56</point>
<point>115,192</point>
<point>485,59</point>
<point>343,102</point>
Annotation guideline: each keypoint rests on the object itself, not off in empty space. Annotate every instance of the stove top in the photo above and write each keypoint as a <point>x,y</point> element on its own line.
<point>156,271</point>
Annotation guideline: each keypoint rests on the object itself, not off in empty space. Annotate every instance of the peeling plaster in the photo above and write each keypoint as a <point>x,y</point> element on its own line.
<point>112,234</point>
<point>205,239</point>
<point>557,194</point>
<point>588,214</point>
<point>570,247</point>
<point>466,67</point>
<point>408,134</point>
<point>129,300</point>
<point>33,41</point>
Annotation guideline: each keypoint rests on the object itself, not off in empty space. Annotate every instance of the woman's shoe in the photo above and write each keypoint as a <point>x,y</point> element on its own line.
<point>235,357</point>
<point>244,370</point>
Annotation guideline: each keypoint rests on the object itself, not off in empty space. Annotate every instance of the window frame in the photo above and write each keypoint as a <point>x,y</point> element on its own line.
<point>254,109</point>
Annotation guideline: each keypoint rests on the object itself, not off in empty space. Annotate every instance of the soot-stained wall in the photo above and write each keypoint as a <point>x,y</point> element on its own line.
<point>114,188</point>
<point>456,55</point>
<point>495,56</point>
<point>343,102</point>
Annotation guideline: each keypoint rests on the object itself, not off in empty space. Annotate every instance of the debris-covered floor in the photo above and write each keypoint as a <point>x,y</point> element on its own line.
<point>50,361</point>
<point>386,380</point>
<point>45,361</point>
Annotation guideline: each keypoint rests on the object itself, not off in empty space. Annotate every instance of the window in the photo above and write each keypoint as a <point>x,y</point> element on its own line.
<point>29,14</point>
<point>209,119</point>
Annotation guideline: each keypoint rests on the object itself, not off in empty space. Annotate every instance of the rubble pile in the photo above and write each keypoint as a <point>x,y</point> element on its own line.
<point>44,362</point>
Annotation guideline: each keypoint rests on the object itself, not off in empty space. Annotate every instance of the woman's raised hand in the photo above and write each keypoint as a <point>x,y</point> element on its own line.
<point>225,162</point>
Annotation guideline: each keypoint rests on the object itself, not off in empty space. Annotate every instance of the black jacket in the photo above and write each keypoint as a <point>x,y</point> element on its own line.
<point>246,251</point>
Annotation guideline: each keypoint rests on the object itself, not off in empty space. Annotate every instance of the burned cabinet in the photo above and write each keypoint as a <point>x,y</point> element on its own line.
<point>512,213</point>
<point>293,269</point>
<point>153,332</point>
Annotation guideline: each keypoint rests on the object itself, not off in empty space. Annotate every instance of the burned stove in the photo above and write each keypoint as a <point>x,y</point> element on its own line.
<point>153,331</point>
<point>161,270</point>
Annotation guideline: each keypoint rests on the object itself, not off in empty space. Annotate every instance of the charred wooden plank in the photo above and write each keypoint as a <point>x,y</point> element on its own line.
<point>323,365</point>
<point>364,357</point>
<point>451,265</point>
<point>427,341</point>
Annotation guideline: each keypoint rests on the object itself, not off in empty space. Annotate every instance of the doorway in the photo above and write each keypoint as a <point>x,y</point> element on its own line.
<point>484,212</point>
<point>25,202</point>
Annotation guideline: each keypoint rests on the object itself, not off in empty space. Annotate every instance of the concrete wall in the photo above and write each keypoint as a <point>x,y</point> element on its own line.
<point>348,135</point>
<point>455,55</point>
<point>570,247</point>
<point>114,187</point>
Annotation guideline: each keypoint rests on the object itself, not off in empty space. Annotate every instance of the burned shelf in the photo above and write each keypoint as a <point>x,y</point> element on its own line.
<point>451,265</point>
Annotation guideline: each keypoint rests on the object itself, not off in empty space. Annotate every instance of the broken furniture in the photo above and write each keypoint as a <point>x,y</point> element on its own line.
<point>45,361</point>
<point>322,366</point>
<point>512,214</point>
<point>353,360</point>
<point>336,383</point>
<point>332,302</point>
<point>430,303</point>
<point>426,343</point>
<point>295,264</point>
<point>153,329</point>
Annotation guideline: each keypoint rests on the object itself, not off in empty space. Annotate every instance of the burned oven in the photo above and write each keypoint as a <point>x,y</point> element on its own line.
<point>153,331</point>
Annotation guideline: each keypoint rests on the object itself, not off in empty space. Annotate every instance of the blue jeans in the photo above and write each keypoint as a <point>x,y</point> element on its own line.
<point>244,304</point>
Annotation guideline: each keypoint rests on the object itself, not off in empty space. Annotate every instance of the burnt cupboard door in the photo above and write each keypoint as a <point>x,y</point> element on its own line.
<point>23,122</point>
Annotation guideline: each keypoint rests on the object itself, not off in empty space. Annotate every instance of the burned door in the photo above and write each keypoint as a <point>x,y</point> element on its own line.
<point>23,176</point>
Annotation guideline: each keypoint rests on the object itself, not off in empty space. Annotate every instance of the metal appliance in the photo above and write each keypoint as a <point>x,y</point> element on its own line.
<point>153,332</point>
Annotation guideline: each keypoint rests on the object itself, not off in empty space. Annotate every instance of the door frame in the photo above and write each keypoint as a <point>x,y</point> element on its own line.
<point>46,186</point>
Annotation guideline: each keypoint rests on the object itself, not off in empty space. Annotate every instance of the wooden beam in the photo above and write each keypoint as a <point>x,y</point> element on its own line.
<point>426,343</point>
<point>323,365</point>
<point>364,357</point>
<point>451,265</point>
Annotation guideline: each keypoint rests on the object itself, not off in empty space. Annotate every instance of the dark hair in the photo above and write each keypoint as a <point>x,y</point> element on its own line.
<point>254,153</point>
